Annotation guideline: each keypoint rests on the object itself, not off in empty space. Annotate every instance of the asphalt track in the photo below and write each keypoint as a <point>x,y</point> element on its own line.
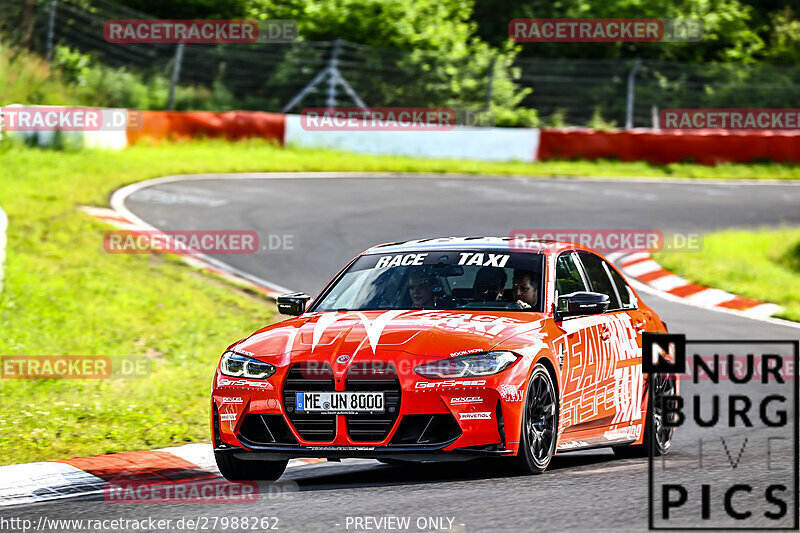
<point>332,219</point>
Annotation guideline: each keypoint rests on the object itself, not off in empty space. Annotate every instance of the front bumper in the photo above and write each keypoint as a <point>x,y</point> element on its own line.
<point>424,419</point>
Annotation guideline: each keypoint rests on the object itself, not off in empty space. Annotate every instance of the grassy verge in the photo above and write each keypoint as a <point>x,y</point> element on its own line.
<point>764,265</point>
<point>64,295</point>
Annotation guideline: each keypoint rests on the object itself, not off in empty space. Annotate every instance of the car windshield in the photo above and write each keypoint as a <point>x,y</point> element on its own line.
<point>463,279</point>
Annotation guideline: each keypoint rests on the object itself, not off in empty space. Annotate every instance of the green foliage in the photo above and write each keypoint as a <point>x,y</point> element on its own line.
<point>440,59</point>
<point>732,31</point>
<point>26,79</point>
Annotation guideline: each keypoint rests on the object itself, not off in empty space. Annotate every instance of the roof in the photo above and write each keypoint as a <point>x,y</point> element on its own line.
<point>462,243</point>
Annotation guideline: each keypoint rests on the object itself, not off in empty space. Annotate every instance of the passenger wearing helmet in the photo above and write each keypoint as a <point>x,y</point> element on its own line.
<point>420,288</point>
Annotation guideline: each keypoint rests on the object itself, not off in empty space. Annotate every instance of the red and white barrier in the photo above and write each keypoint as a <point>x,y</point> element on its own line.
<point>707,147</point>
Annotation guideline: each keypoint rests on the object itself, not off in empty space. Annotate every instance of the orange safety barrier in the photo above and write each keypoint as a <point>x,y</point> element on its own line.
<point>177,125</point>
<point>707,147</point>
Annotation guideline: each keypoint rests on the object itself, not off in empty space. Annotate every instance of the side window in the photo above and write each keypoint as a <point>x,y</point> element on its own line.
<point>568,276</point>
<point>622,289</point>
<point>598,277</point>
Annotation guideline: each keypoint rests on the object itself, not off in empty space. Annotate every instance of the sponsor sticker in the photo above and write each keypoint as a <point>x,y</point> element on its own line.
<point>475,416</point>
<point>449,383</point>
<point>459,400</point>
<point>233,399</point>
<point>225,382</point>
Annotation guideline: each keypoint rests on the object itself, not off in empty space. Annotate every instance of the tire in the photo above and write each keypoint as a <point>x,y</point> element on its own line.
<point>234,469</point>
<point>657,437</point>
<point>539,424</point>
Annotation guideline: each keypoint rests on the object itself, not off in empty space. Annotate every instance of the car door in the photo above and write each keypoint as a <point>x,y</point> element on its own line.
<point>619,371</point>
<point>580,353</point>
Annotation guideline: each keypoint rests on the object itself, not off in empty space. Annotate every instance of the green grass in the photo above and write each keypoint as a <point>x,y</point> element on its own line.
<point>64,295</point>
<point>764,265</point>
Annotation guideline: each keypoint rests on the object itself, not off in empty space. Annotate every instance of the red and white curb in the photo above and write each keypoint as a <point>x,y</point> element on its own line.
<point>109,216</point>
<point>642,267</point>
<point>87,476</point>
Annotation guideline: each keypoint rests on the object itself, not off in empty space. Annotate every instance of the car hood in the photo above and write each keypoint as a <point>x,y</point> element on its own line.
<point>363,334</point>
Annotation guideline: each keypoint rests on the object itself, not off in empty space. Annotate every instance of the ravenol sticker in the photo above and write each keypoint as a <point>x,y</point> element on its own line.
<point>476,416</point>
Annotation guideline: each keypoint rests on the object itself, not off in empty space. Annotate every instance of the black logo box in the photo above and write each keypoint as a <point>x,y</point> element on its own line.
<point>679,367</point>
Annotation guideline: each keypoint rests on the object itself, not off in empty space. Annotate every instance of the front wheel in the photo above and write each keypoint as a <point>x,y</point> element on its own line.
<point>657,434</point>
<point>235,469</point>
<point>539,423</point>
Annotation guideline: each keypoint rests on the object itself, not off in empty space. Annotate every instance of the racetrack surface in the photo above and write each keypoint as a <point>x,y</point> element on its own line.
<point>333,219</point>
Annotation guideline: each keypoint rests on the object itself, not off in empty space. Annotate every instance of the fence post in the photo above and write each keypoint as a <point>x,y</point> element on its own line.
<point>489,83</point>
<point>176,73</point>
<point>631,83</point>
<point>333,67</point>
<point>3,226</point>
<point>51,27</point>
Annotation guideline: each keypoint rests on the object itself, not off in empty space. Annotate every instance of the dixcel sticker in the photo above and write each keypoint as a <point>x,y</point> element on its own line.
<point>465,399</point>
<point>233,399</point>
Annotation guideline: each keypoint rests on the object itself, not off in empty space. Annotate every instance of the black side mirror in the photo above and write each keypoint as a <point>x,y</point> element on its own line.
<point>581,303</point>
<point>293,303</point>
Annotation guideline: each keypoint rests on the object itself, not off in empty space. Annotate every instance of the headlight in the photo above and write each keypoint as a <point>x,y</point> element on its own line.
<point>237,365</point>
<point>484,364</point>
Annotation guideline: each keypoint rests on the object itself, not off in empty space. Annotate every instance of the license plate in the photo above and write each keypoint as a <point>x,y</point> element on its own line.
<point>339,402</point>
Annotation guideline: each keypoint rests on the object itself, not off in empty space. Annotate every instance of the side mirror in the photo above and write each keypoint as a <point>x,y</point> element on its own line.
<point>293,303</point>
<point>581,303</point>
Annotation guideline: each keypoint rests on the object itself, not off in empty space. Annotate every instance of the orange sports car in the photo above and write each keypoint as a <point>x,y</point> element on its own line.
<point>446,349</point>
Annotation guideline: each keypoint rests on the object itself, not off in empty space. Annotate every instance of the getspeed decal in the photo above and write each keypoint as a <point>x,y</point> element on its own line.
<point>448,383</point>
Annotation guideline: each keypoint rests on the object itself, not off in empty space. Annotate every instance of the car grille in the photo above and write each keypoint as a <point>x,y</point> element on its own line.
<point>309,377</point>
<point>361,377</point>
<point>373,377</point>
